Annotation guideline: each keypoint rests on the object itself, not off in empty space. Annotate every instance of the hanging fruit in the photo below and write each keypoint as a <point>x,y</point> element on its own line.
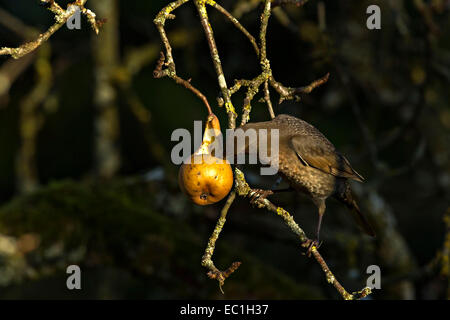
<point>206,179</point>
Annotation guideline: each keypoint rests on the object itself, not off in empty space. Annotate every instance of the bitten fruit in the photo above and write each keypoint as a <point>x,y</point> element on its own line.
<point>206,179</point>
<point>206,182</point>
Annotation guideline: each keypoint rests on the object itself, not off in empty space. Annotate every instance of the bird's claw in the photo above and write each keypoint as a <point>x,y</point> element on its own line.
<point>257,197</point>
<point>312,245</point>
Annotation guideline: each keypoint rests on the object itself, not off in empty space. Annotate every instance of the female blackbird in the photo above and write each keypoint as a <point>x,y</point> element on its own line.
<point>311,164</point>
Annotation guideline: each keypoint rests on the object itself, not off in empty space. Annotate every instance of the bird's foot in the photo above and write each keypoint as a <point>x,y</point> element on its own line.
<point>257,197</point>
<point>312,245</point>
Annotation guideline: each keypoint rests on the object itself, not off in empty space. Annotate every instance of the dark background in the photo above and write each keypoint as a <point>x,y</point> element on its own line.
<point>91,183</point>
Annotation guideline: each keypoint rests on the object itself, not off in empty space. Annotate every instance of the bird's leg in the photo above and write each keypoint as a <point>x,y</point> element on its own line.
<point>311,244</point>
<point>319,224</point>
<point>316,243</point>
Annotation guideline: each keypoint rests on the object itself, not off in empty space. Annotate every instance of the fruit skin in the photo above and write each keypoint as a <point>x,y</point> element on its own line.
<point>207,182</point>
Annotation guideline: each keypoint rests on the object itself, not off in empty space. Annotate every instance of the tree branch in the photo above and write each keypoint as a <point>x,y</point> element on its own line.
<point>61,17</point>
<point>201,8</point>
<point>244,190</point>
<point>159,73</point>
<point>207,262</point>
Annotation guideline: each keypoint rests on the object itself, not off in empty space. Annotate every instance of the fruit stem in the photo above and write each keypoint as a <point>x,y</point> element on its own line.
<point>212,130</point>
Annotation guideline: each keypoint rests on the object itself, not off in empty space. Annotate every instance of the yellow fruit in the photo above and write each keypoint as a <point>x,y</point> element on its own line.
<point>207,182</point>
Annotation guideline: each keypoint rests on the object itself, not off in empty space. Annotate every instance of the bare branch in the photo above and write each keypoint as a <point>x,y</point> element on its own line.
<point>287,93</point>
<point>207,262</point>
<point>200,4</point>
<point>237,24</point>
<point>244,190</point>
<point>61,17</point>
<point>159,73</point>
<point>267,99</point>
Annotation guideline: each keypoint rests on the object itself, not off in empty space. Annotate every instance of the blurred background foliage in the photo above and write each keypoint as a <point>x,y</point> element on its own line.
<point>86,176</point>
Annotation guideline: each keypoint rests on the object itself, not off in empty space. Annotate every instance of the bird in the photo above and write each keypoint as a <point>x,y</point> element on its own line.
<point>311,165</point>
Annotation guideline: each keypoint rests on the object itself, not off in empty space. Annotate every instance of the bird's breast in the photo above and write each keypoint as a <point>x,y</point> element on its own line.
<point>305,179</point>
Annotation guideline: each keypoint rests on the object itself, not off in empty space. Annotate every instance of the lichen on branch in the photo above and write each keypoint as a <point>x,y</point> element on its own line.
<point>61,17</point>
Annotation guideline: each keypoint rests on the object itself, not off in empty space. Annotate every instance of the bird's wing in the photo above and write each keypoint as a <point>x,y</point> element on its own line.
<point>317,152</point>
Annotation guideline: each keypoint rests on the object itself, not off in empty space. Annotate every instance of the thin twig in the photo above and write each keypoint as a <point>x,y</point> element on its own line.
<point>159,73</point>
<point>160,21</point>
<point>207,262</point>
<point>61,17</point>
<point>287,93</point>
<point>237,24</point>
<point>267,99</point>
<point>200,4</point>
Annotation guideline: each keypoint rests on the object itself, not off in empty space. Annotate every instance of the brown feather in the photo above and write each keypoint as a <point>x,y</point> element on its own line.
<point>322,155</point>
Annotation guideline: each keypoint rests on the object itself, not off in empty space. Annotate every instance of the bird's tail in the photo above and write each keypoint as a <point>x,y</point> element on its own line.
<point>348,199</point>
